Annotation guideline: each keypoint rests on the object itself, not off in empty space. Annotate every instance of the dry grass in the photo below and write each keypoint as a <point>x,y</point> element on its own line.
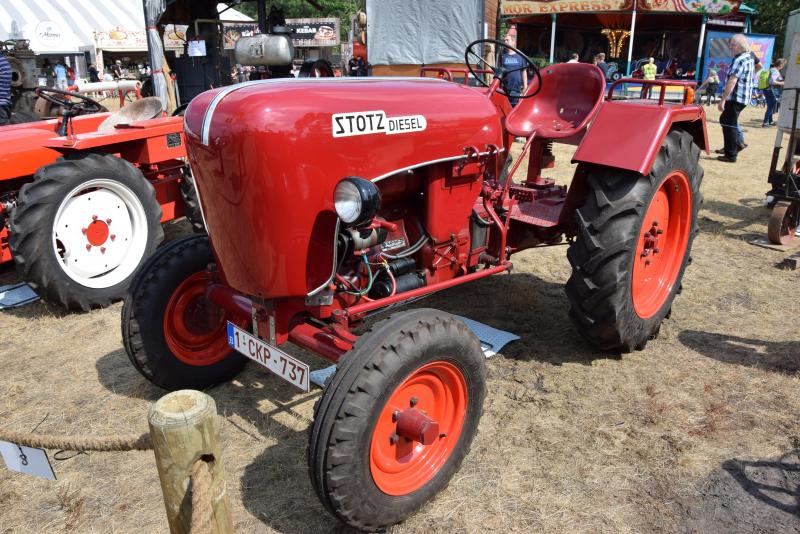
<point>697,433</point>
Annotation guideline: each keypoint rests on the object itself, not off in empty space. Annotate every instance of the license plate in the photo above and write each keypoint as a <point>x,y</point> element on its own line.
<point>274,359</point>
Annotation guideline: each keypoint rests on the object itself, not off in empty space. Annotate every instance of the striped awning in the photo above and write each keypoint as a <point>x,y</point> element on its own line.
<point>71,26</point>
<point>66,26</point>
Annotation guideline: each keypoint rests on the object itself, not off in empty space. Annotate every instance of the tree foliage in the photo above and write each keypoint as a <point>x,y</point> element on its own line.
<point>771,19</point>
<point>296,9</point>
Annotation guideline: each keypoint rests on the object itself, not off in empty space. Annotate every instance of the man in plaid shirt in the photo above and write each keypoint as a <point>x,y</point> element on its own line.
<point>738,88</point>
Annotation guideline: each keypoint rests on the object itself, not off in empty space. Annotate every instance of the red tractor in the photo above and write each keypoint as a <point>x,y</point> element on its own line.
<point>327,201</point>
<point>82,197</point>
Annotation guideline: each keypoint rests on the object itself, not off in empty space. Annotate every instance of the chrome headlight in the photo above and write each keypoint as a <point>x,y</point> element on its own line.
<point>356,200</point>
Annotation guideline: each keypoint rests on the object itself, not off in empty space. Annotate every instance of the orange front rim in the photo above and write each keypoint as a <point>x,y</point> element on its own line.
<point>662,244</point>
<point>434,398</point>
<point>194,327</point>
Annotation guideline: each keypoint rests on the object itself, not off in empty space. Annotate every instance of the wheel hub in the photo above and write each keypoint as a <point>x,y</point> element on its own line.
<point>415,425</point>
<point>97,232</point>
<point>650,245</point>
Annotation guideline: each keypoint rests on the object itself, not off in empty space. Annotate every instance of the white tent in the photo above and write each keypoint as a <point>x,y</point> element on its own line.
<point>70,27</point>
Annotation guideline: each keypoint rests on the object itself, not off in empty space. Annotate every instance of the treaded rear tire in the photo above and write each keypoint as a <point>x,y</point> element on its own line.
<point>346,415</point>
<point>33,219</point>
<point>143,319</point>
<point>191,203</point>
<point>602,256</point>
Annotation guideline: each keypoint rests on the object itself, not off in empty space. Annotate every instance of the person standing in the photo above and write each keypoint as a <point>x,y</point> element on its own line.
<point>736,95</point>
<point>5,91</point>
<point>61,76</point>
<point>709,87</point>
<point>93,74</point>
<point>773,81</point>
<point>573,58</point>
<point>600,61</point>
<point>352,67</point>
<point>650,70</point>
<point>515,76</point>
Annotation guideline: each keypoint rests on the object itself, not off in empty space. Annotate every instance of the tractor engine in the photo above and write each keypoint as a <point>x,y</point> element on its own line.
<point>346,187</point>
<point>23,74</point>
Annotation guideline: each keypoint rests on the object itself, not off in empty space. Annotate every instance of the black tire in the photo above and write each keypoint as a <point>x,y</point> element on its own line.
<point>33,220</point>
<point>143,319</point>
<point>191,203</point>
<point>20,117</point>
<point>346,415</point>
<point>602,256</point>
<point>316,68</point>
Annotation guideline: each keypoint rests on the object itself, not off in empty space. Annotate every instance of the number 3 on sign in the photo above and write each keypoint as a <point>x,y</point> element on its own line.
<point>26,460</point>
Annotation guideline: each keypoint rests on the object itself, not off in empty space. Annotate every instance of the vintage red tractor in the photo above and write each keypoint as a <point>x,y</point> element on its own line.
<point>329,200</point>
<point>82,197</point>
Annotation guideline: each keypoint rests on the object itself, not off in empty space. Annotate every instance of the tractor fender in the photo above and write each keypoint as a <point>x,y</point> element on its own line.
<point>628,134</point>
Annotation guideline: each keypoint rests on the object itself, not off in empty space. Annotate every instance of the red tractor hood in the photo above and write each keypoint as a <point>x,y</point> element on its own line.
<point>266,156</point>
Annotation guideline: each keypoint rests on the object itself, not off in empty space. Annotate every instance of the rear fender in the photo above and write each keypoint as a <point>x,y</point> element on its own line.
<point>628,134</point>
<point>634,150</point>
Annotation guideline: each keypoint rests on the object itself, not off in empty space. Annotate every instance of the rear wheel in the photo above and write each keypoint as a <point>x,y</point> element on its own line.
<point>174,335</point>
<point>315,68</point>
<point>783,222</point>
<point>397,419</point>
<point>634,238</point>
<point>82,228</point>
<point>191,203</point>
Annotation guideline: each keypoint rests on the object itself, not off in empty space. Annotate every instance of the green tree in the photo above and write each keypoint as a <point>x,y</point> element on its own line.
<point>771,18</point>
<point>296,9</point>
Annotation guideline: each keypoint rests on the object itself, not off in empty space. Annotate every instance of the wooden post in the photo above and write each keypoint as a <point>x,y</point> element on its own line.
<point>184,428</point>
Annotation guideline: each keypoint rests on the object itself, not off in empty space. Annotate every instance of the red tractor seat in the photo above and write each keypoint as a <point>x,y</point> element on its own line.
<point>570,96</point>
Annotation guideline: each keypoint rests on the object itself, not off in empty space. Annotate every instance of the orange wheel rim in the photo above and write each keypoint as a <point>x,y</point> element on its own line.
<point>194,327</point>
<point>662,244</point>
<point>437,393</point>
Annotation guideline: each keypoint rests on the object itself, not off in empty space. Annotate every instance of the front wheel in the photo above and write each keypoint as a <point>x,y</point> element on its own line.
<point>173,334</point>
<point>82,228</point>
<point>397,419</point>
<point>634,238</point>
<point>783,222</point>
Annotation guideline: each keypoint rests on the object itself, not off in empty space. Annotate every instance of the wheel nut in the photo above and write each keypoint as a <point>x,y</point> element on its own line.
<point>656,250</point>
<point>108,221</point>
<point>94,217</point>
<point>113,237</point>
<point>413,401</point>
<point>88,247</point>
<point>393,438</point>
<point>102,250</point>
<point>394,415</point>
<point>647,262</point>
<point>83,230</point>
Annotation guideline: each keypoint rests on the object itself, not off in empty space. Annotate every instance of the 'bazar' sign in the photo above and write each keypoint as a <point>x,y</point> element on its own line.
<point>516,8</point>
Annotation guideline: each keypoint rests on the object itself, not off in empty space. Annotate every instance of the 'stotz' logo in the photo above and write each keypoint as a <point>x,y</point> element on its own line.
<point>375,122</point>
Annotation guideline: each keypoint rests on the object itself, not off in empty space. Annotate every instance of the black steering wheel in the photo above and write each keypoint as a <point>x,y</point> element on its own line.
<point>497,70</point>
<point>84,105</point>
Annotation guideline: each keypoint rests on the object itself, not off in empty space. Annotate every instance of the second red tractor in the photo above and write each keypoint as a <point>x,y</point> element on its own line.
<point>327,201</point>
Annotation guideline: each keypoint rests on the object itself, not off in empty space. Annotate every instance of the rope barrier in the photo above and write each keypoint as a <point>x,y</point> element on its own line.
<point>79,443</point>
<point>201,498</point>
<point>201,480</point>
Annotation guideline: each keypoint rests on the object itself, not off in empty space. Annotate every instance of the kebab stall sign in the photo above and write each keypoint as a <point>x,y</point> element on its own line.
<point>314,32</point>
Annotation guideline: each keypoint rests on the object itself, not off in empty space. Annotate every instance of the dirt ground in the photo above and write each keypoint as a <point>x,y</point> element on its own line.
<point>700,432</point>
